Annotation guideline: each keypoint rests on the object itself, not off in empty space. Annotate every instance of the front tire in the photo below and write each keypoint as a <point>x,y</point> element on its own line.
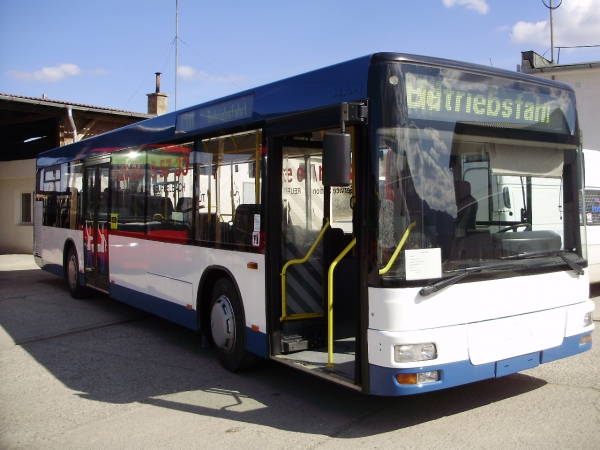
<point>72,270</point>
<point>228,328</point>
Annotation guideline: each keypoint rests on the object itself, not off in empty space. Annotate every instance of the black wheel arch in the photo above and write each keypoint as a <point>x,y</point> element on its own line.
<point>69,243</point>
<point>209,278</point>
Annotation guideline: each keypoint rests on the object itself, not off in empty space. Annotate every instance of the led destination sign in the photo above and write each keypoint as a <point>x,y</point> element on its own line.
<point>216,114</point>
<point>453,100</point>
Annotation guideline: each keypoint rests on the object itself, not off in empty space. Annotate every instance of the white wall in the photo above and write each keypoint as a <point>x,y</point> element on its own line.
<point>16,177</point>
<point>586,83</point>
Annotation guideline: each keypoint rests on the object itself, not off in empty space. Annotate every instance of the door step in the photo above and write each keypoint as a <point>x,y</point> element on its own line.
<point>293,344</point>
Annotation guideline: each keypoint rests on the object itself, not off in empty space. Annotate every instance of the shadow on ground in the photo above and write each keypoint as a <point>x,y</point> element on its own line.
<point>109,352</point>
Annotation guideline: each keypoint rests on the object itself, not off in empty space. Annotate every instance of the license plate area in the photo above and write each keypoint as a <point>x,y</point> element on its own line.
<point>501,339</point>
<point>517,364</point>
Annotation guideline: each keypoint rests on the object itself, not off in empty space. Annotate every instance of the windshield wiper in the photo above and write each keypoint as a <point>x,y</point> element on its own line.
<point>560,253</point>
<point>428,290</point>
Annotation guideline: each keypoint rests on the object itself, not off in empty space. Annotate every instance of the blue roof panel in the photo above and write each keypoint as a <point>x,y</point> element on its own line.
<point>321,88</point>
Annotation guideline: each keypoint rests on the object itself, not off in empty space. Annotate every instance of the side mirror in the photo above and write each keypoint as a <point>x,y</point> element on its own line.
<point>336,159</point>
<point>506,197</point>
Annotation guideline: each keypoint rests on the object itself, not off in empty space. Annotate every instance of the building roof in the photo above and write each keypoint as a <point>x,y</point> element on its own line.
<point>532,63</point>
<point>75,106</point>
<point>30,125</point>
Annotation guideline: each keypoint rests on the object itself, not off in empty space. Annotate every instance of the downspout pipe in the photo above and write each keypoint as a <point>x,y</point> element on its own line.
<point>70,115</point>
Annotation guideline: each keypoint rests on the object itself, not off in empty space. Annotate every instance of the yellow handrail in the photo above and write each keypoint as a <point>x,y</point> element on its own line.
<point>330,302</point>
<point>400,245</point>
<point>284,315</point>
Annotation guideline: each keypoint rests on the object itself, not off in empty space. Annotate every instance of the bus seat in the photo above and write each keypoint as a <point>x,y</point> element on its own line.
<point>160,206</point>
<point>243,225</point>
<point>207,225</point>
<point>224,237</point>
<point>185,205</point>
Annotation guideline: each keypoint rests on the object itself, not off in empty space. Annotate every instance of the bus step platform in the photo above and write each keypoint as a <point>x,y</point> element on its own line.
<point>293,343</point>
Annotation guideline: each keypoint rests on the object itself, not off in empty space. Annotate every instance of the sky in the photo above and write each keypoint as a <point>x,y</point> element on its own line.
<point>105,53</point>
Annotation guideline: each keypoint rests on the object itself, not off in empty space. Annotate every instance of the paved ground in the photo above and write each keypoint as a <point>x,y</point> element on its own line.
<point>98,374</point>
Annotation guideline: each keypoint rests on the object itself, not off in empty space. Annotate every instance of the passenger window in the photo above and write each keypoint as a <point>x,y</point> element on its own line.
<point>60,191</point>
<point>128,206</point>
<point>228,183</point>
<point>169,208</point>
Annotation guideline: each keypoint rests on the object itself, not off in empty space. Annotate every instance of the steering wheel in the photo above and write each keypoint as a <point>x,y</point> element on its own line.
<point>515,226</point>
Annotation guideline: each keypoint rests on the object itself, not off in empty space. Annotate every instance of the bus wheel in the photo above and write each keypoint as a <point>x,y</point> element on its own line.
<point>228,329</point>
<point>77,290</point>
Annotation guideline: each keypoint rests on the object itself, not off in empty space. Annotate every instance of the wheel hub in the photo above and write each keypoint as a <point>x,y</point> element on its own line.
<point>72,269</point>
<point>222,324</point>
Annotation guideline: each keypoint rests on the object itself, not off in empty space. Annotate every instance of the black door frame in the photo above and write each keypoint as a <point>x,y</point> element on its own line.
<point>94,277</point>
<point>273,136</point>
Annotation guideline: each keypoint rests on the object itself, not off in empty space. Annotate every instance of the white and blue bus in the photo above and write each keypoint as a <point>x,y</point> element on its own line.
<point>592,212</point>
<point>350,222</point>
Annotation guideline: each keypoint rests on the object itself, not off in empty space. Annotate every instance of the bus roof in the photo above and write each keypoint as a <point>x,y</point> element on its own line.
<point>343,82</point>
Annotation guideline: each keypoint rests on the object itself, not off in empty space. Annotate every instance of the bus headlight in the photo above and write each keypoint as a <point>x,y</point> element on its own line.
<point>414,352</point>
<point>587,319</point>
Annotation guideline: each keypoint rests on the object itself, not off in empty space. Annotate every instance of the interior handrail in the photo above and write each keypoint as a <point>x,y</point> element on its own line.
<point>284,315</point>
<point>330,302</point>
<point>397,251</point>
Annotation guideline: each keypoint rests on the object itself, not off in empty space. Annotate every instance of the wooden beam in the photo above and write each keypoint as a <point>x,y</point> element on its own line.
<point>86,129</point>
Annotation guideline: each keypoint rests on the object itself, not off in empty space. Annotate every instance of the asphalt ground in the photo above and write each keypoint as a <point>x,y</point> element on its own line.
<point>98,374</point>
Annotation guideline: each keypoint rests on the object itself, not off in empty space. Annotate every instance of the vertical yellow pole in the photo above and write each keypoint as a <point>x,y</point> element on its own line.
<point>330,302</point>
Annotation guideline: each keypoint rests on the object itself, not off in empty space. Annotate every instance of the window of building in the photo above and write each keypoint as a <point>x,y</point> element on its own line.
<point>26,208</point>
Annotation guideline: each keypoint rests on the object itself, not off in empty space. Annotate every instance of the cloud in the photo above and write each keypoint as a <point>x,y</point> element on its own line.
<point>53,74</point>
<point>576,22</point>
<point>190,74</point>
<point>47,74</point>
<point>428,156</point>
<point>480,6</point>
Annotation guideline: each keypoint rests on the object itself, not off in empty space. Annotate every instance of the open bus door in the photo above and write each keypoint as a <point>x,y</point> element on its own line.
<point>315,232</point>
<point>96,222</point>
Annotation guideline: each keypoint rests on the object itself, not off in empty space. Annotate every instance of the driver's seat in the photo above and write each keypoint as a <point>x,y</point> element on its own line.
<point>466,208</point>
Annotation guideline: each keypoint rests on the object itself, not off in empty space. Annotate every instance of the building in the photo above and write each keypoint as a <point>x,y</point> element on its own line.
<point>29,126</point>
<point>585,80</point>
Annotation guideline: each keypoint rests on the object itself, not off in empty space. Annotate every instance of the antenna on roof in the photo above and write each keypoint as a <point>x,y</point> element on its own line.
<point>176,47</point>
<point>551,8</point>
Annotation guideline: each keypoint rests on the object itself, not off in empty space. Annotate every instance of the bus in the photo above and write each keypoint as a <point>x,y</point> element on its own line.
<point>592,212</point>
<point>345,222</point>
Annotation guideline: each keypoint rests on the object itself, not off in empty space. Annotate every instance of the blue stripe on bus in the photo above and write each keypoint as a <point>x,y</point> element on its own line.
<point>155,305</point>
<point>569,347</point>
<point>383,379</point>
<point>256,342</point>
<point>54,269</point>
<point>57,269</point>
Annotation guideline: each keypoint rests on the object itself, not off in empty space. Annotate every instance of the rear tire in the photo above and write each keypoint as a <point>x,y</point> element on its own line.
<point>228,328</point>
<point>72,270</point>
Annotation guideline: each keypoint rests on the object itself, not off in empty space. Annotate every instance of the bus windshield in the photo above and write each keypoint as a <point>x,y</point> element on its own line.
<point>472,170</point>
